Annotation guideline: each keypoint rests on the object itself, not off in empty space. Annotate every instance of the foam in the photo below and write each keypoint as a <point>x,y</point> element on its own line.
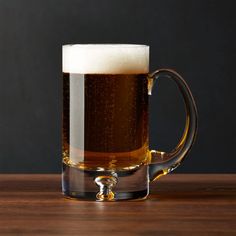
<point>105,58</point>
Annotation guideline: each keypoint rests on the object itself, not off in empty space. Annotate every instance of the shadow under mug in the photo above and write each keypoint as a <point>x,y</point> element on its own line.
<point>106,88</point>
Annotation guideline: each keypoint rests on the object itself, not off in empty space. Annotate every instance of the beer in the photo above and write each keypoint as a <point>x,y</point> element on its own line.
<point>105,108</point>
<point>105,120</point>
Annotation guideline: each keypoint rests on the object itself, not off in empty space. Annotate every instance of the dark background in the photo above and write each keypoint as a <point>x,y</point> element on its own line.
<point>196,38</point>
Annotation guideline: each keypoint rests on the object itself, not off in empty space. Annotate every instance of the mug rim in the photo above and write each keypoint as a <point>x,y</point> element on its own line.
<point>107,45</point>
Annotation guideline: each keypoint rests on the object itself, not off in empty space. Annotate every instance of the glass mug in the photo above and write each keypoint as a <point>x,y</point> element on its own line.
<point>105,122</point>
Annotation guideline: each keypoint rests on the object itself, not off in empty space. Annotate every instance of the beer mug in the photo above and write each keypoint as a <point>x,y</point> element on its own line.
<point>106,156</point>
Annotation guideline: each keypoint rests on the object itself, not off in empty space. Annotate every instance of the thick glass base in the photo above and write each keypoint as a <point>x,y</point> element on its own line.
<point>105,185</point>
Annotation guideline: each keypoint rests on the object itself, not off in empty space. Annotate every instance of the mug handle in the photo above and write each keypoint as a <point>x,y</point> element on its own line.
<point>162,163</point>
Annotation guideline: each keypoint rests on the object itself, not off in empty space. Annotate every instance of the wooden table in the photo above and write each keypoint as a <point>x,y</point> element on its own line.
<point>178,205</point>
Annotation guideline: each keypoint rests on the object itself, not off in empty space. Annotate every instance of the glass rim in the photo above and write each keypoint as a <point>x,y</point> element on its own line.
<point>107,45</point>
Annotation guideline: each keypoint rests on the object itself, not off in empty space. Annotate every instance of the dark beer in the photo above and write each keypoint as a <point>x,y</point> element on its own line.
<point>105,121</point>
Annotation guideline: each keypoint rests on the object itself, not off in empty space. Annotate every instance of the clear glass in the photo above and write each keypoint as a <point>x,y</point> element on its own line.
<point>106,155</point>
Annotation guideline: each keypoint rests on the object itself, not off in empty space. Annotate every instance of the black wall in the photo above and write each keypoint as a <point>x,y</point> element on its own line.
<point>196,38</point>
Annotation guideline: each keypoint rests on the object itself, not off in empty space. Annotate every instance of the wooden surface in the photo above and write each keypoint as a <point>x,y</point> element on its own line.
<point>178,205</point>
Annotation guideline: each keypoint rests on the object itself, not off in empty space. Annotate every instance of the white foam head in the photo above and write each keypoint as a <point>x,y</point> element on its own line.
<point>105,58</point>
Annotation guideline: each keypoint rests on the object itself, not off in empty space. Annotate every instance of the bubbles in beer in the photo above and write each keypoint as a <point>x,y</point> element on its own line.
<point>105,125</point>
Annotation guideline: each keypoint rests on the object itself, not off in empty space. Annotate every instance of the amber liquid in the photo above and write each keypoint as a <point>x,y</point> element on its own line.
<point>105,121</point>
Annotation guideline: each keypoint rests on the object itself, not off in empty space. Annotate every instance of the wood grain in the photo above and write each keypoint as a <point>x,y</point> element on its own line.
<point>178,205</point>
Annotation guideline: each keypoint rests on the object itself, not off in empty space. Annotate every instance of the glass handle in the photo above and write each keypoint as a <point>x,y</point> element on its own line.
<point>162,163</point>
